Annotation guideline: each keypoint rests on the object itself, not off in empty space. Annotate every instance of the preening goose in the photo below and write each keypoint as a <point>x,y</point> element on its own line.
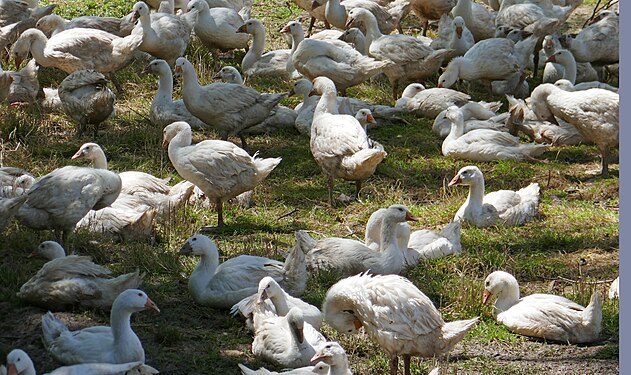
<point>594,113</point>
<point>410,58</point>
<point>121,27</point>
<point>226,107</point>
<point>476,115</point>
<point>223,285</point>
<point>102,344</point>
<point>395,314</point>
<point>504,207</point>
<point>220,169</point>
<point>339,143</point>
<point>67,281</point>
<point>545,316</point>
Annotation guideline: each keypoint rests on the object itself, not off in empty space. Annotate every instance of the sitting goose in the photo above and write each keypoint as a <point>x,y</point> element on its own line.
<point>410,58</point>
<point>246,108</point>
<point>114,344</point>
<point>505,207</point>
<point>387,18</point>
<point>220,169</point>
<point>320,368</point>
<point>568,86</point>
<point>334,355</point>
<point>68,281</point>
<point>394,313</point>
<point>476,115</point>
<point>223,285</point>
<point>86,99</point>
<point>61,198</point>
<point>121,27</point>
<point>339,143</point>
<point>25,90</point>
<point>546,316</point>
<point>429,102</point>
<point>256,61</point>
<point>164,110</point>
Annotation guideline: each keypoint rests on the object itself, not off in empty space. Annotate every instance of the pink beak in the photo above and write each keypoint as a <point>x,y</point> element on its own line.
<point>77,155</point>
<point>459,32</point>
<point>151,305</point>
<point>486,296</point>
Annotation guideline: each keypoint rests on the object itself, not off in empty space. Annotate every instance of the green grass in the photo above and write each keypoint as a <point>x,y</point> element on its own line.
<point>578,219</point>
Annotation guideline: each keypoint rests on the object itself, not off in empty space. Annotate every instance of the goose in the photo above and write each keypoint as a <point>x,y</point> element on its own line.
<point>429,102</point>
<point>25,89</point>
<point>333,59</point>
<point>287,341</point>
<point>244,7</point>
<point>121,27</point>
<point>220,169</point>
<point>85,98</point>
<point>614,289</point>
<point>8,208</point>
<point>479,20</point>
<point>339,143</point>
<point>22,12</point>
<point>164,35</point>
<point>67,281</point>
<point>505,207</point>
<point>21,364</point>
<point>280,303</point>
<point>568,86</point>
<point>256,62</point>
<point>320,368</point>
<point>476,115</point>
<point>490,59</point>
<point>114,344</point>
<point>332,353</point>
<point>61,198</point>
<point>222,285</point>
<point>217,28</point>
<point>484,144</point>
<point>76,49</point>
<point>597,43</point>
<point>461,40</point>
<point>246,106</point>
<point>365,118</point>
<point>6,80</point>
<point>357,38</point>
<point>560,64</point>
<point>431,10</point>
<point>411,59</point>
<point>125,220</point>
<point>387,19</point>
<point>394,313</point>
<point>594,113</point>
<point>349,257</point>
<point>545,316</point>
<point>164,110</point>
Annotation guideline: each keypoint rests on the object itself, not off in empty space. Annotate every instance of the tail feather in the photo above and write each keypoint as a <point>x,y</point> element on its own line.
<point>593,313</point>
<point>271,100</point>
<point>295,270</point>
<point>247,371</point>
<point>265,167</point>
<point>304,240</point>
<point>363,162</point>
<point>130,280</point>
<point>51,328</point>
<point>455,331</point>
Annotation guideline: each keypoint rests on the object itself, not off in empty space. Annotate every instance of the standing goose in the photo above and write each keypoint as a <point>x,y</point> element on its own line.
<point>222,285</point>
<point>505,207</point>
<point>164,110</point>
<point>395,314</point>
<point>411,59</point>
<point>428,10</point>
<point>339,143</point>
<point>387,19</point>
<point>220,169</point>
<point>594,113</point>
<point>70,280</point>
<point>246,107</point>
<point>598,42</point>
<point>546,316</point>
<point>102,344</point>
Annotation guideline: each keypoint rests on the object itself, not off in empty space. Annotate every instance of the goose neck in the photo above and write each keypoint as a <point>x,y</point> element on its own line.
<point>38,44</point>
<point>457,129</point>
<point>258,43</point>
<point>372,29</point>
<point>361,44</point>
<point>508,297</point>
<point>569,71</point>
<point>189,80</point>
<point>204,272</point>
<point>327,102</point>
<point>183,138</point>
<point>99,160</point>
<point>476,193</point>
<point>280,303</point>
<point>120,320</point>
<point>340,367</point>
<point>165,87</point>
<point>335,13</point>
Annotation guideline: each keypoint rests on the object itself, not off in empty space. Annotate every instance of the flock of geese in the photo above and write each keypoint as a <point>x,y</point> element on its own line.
<point>497,43</point>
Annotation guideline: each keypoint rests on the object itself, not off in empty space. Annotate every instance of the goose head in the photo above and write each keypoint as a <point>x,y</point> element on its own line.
<point>322,85</point>
<point>157,66</point>
<point>182,65</point>
<point>412,89</point>
<point>198,244</point>
<point>22,46</point>
<point>350,35</point>
<point>197,6</point>
<point>365,117</point>
<point>399,213</point>
<point>24,181</point>
<point>296,323</point>
<point>330,353</point>
<point>140,10</point>
<point>561,56</point>
<point>18,362</point>
<point>357,16</point>
<point>268,287</point>
<point>564,84</point>
<point>454,114</point>
<point>50,250</point>
<point>90,151</point>
<point>293,27</point>
<point>173,129</point>
<point>459,26</point>
<point>134,300</point>
<point>301,87</point>
<point>252,26</point>
<point>499,283</point>
<point>451,74</point>
<point>468,175</point>
<point>345,322</point>
<point>321,368</point>
<point>50,23</point>
<point>229,74</point>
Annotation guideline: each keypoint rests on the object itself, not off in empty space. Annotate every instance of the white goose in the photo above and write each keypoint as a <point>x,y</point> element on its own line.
<point>429,102</point>
<point>410,58</point>
<point>69,280</point>
<point>568,86</point>
<point>546,316</point>
<point>53,23</point>
<point>19,363</point>
<point>476,115</point>
<point>598,42</point>
<point>484,144</point>
<point>339,143</point>
<point>114,344</point>
<point>220,169</point>
<point>614,289</point>
<point>256,61</point>
<point>223,285</point>
<point>335,356</point>
<point>479,20</point>
<point>594,113</point>
<point>164,110</point>
<point>320,368</point>
<point>286,341</point>
<point>349,257</point>
<point>357,38</point>
<point>387,19</point>
<point>505,207</point>
<point>279,303</point>
<point>394,313</point>
<point>560,64</point>
<point>246,107</point>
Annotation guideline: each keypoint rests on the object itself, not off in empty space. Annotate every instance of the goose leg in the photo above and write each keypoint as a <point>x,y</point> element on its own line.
<point>244,144</point>
<point>329,186</point>
<point>394,365</point>
<point>219,206</point>
<point>604,154</point>
<point>358,187</point>
<point>311,23</point>
<point>425,27</point>
<point>216,62</point>
<point>395,90</point>
<point>406,364</point>
<point>117,84</point>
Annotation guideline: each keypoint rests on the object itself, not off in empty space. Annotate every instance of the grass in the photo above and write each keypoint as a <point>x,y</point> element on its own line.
<point>578,218</point>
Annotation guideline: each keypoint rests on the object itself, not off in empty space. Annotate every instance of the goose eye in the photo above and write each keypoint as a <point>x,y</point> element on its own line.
<point>139,294</point>
<point>487,283</point>
<point>194,239</point>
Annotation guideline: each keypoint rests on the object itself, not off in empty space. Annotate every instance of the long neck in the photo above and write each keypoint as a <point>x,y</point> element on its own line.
<point>280,303</point>
<point>476,194</point>
<point>457,129</point>
<point>335,13</point>
<point>327,103</point>
<point>120,320</point>
<point>100,160</point>
<point>165,87</point>
<point>509,296</point>
<point>340,367</point>
<point>38,43</point>
<point>569,71</point>
<point>190,83</point>
<point>372,30</point>
<point>202,275</point>
<point>296,38</point>
<point>255,52</point>
<point>390,242</point>
<point>361,44</point>
<point>147,31</point>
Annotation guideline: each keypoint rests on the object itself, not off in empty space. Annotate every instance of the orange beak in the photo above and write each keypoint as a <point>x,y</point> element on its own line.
<point>455,180</point>
<point>151,305</point>
<point>285,29</point>
<point>357,323</point>
<point>440,86</point>
<point>317,357</point>
<point>18,62</point>
<point>77,155</point>
<point>410,217</point>
<point>371,119</point>
<point>165,143</point>
<point>242,29</point>
<point>485,296</point>
<point>459,32</point>
<point>349,22</point>
<point>552,59</point>
<point>12,370</point>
